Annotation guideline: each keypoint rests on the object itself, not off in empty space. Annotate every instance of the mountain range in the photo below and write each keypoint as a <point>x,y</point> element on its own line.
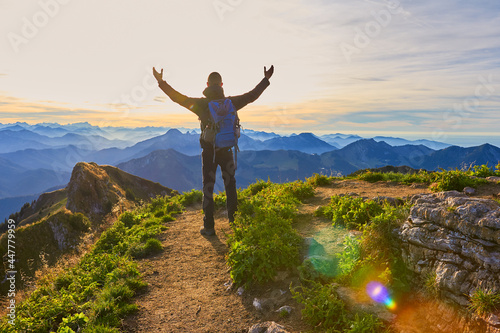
<point>35,158</point>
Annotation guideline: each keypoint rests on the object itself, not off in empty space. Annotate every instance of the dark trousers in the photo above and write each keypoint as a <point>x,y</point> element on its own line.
<point>224,158</point>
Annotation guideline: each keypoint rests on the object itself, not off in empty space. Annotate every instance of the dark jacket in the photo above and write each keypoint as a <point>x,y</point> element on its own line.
<point>199,106</point>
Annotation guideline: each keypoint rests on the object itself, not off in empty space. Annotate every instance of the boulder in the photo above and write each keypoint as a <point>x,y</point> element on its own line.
<point>456,239</point>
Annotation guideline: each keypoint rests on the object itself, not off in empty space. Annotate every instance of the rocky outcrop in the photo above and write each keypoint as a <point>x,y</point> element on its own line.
<point>453,240</point>
<point>267,327</point>
<point>95,190</point>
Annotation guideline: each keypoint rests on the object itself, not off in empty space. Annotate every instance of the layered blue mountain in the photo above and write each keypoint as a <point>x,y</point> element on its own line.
<point>458,157</point>
<point>183,172</point>
<point>403,142</point>
<point>35,158</point>
<point>368,153</point>
<point>17,180</point>
<point>304,142</point>
<point>167,167</point>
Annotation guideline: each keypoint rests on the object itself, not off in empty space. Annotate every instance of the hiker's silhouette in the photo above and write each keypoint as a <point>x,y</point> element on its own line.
<point>212,156</point>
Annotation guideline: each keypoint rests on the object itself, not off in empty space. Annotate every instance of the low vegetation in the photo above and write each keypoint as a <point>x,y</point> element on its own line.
<point>484,301</point>
<point>264,240</point>
<point>95,294</point>
<point>443,180</point>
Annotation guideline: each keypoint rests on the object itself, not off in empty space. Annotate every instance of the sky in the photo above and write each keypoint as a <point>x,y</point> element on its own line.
<point>413,69</point>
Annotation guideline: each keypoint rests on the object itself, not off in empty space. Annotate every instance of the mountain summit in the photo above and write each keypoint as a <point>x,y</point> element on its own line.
<point>97,190</point>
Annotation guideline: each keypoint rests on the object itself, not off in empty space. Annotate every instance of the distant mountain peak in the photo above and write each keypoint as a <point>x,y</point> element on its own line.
<point>174,131</point>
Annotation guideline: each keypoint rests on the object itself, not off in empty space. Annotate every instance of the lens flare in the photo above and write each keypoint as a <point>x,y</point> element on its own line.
<point>379,293</point>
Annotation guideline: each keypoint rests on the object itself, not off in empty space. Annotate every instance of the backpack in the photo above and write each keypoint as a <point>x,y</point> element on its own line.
<point>223,128</point>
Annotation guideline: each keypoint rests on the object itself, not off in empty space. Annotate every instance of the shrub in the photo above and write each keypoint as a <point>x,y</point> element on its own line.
<point>322,307</point>
<point>264,240</point>
<point>318,180</point>
<point>455,180</point>
<point>350,256</point>
<point>191,197</point>
<point>351,212</point>
<point>371,177</point>
<point>129,219</point>
<point>483,171</point>
<point>366,324</point>
<point>483,302</point>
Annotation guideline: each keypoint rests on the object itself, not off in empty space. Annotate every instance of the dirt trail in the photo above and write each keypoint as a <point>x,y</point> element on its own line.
<point>187,289</point>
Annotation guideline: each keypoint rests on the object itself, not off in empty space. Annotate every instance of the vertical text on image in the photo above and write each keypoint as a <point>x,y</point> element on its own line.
<point>11,271</point>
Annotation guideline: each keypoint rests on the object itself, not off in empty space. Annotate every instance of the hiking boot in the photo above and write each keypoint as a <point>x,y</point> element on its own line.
<point>207,232</point>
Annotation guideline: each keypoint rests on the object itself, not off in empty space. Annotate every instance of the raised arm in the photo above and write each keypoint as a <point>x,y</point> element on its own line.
<point>242,100</point>
<point>174,95</point>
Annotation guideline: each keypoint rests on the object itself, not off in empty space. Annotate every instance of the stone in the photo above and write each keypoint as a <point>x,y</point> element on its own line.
<point>457,238</point>
<point>263,305</point>
<point>469,190</point>
<point>493,320</point>
<point>267,327</point>
<point>285,308</point>
<point>493,179</point>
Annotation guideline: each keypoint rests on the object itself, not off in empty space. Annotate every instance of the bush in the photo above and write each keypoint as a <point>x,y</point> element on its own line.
<point>484,302</point>
<point>353,213</point>
<point>318,180</point>
<point>371,177</point>
<point>407,179</point>
<point>129,219</point>
<point>483,171</point>
<point>366,324</point>
<point>350,256</point>
<point>191,197</point>
<point>455,180</point>
<point>264,240</point>
<point>322,307</point>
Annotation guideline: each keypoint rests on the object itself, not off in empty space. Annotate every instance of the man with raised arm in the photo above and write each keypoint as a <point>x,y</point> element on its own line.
<point>211,157</point>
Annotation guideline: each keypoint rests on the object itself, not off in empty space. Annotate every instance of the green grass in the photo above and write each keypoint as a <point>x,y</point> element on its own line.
<point>484,302</point>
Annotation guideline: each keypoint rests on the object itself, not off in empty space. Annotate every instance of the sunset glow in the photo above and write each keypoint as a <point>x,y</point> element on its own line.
<point>375,67</point>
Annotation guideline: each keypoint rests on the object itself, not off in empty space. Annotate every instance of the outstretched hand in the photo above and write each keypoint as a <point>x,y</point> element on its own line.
<point>268,73</point>
<point>158,76</point>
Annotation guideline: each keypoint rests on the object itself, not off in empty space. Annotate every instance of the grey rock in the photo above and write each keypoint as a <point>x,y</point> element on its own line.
<point>493,179</point>
<point>286,308</point>
<point>264,304</point>
<point>469,190</point>
<point>267,327</point>
<point>457,238</point>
